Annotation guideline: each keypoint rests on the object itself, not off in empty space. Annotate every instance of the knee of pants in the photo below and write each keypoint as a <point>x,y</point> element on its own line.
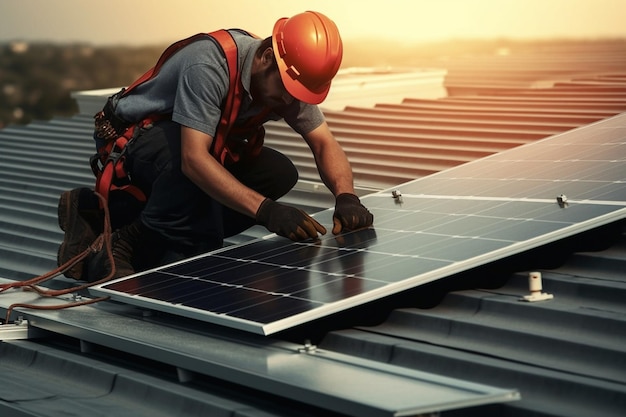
<point>271,174</point>
<point>286,177</point>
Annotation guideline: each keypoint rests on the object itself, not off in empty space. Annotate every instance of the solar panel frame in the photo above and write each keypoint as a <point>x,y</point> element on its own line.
<point>447,223</point>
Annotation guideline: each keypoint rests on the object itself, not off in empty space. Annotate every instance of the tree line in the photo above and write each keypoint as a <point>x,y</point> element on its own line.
<point>36,79</point>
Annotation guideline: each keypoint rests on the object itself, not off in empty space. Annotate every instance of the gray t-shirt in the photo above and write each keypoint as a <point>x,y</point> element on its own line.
<point>193,84</point>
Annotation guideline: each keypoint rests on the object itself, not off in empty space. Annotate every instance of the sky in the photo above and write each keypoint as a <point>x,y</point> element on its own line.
<point>144,22</point>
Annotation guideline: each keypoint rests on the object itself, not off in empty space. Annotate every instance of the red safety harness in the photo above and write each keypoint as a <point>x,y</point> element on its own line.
<point>108,163</point>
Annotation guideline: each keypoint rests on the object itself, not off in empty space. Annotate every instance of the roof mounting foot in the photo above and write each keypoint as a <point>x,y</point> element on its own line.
<point>535,286</point>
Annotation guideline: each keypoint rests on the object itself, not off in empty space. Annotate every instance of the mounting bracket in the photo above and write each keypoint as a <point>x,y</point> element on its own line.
<point>14,331</point>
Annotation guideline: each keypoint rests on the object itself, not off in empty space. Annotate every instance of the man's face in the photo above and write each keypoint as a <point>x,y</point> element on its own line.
<point>266,87</point>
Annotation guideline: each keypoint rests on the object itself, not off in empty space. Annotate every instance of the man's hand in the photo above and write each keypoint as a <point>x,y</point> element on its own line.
<point>350,214</point>
<point>288,221</point>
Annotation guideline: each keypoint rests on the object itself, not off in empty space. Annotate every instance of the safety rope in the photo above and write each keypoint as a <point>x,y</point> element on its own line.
<point>103,240</point>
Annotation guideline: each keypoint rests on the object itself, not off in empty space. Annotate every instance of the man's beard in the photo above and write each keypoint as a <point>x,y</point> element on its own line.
<point>259,97</point>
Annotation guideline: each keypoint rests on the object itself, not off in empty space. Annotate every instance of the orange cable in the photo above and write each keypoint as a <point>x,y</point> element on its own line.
<point>31,285</point>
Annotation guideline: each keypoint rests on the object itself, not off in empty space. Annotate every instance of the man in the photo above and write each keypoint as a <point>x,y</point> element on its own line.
<point>195,196</point>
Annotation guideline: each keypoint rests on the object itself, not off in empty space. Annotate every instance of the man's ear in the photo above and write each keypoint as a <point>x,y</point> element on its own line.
<point>268,57</point>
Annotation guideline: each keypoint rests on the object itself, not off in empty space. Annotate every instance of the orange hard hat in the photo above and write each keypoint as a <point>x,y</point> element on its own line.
<point>308,50</point>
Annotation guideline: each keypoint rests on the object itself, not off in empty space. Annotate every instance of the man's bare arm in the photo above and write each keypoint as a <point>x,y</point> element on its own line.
<point>331,160</point>
<point>335,171</point>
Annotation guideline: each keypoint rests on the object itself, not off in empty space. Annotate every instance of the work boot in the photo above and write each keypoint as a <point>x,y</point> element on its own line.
<point>124,246</point>
<point>79,217</point>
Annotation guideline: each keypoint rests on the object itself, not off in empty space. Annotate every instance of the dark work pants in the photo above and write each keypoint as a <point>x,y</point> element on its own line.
<point>188,220</point>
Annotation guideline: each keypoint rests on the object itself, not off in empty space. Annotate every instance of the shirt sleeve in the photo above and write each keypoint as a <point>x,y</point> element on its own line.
<point>202,87</point>
<point>303,117</point>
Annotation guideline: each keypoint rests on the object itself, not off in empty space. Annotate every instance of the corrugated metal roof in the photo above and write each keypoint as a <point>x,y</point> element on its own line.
<point>566,356</point>
<point>38,162</point>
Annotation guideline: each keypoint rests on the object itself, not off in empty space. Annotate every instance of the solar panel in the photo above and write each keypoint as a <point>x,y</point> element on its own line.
<point>425,230</point>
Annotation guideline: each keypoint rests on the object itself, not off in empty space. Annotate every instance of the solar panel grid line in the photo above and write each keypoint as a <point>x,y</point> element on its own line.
<point>487,198</point>
<point>443,224</point>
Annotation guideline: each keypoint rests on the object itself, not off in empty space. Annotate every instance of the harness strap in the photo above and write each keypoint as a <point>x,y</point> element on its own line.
<point>233,99</point>
<point>112,170</point>
<point>222,149</point>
